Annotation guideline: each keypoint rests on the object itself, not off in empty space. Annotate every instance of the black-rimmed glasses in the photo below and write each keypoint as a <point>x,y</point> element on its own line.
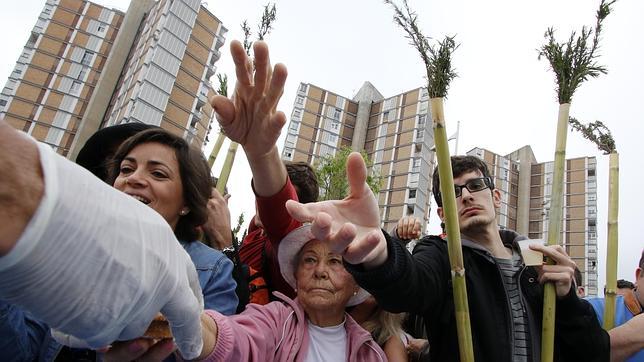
<point>473,185</point>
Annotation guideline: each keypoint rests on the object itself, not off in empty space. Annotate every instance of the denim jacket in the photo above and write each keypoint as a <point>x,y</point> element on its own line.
<point>24,338</point>
<point>215,277</point>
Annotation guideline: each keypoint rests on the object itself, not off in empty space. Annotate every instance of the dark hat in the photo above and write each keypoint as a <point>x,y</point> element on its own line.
<point>101,146</point>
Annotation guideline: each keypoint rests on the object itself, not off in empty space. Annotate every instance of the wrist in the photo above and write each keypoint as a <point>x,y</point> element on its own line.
<point>209,335</point>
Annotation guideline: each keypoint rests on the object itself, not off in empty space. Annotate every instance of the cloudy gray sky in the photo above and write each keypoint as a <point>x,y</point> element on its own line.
<point>504,97</point>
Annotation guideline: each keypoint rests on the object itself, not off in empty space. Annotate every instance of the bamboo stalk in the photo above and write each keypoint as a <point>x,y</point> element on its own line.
<point>213,155</point>
<point>554,231</point>
<point>228,166</point>
<point>454,248</point>
<point>612,243</point>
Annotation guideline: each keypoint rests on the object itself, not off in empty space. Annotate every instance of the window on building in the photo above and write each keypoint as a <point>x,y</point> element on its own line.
<point>75,87</point>
<point>421,119</point>
<point>299,100</point>
<point>294,126</point>
<point>302,87</point>
<point>591,172</point>
<point>336,113</point>
<point>87,57</point>
<point>385,115</point>
<point>412,193</point>
<point>3,102</point>
<point>419,134</point>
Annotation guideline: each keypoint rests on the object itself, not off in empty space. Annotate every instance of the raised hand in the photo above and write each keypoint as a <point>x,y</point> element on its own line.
<point>408,228</point>
<point>250,117</point>
<point>351,226</point>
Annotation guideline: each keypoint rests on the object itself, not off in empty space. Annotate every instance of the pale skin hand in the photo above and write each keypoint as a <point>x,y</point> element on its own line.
<point>562,273</point>
<point>408,228</point>
<point>21,184</point>
<point>218,225</point>
<point>351,226</point>
<point>250,117</point>
<point>144,350</point>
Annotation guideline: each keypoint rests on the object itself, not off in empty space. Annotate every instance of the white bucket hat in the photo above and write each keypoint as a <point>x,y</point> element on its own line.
<point>288,251</point>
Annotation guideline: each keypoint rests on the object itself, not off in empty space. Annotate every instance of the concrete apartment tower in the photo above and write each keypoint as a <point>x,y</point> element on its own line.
<point>394,132</point>
<point>85,67</point>
<point>526,190</point>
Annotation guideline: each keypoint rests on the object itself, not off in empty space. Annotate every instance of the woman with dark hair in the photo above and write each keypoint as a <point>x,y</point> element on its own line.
<point>162,171</point>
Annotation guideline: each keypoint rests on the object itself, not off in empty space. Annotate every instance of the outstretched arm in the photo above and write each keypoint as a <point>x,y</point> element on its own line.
<point>627,339</point>
<point>54,244</point>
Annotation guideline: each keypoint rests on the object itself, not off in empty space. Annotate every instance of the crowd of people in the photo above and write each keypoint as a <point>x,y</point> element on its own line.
<point>91,252</point>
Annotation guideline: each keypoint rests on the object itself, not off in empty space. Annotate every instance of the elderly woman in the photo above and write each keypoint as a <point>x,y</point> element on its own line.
<point>312,327</point>
<point>162,171</point>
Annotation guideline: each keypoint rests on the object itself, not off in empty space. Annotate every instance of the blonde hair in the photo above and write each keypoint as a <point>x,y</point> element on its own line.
<point>383,325</point>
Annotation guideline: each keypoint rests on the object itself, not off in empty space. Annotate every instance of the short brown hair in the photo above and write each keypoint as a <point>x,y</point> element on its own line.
<point>460,165</point>
<point>305,181</point>
<point>194,171</point>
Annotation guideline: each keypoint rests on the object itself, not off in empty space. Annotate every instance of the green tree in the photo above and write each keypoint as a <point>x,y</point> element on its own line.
<point>332,175</point>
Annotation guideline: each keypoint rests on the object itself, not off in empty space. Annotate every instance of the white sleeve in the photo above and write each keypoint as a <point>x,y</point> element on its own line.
<point>98,265</point>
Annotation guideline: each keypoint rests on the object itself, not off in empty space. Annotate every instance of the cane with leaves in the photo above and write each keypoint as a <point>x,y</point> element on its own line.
<point>439,73</point>
<point>573,62</point>
<point>597,133</point>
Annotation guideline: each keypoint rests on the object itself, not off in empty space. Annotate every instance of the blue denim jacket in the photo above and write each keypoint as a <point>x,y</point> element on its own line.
<point>215,277</point>
<point>23,338</point>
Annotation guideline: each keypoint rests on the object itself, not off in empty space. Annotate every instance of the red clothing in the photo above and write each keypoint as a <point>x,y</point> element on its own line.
<point>277,224</point>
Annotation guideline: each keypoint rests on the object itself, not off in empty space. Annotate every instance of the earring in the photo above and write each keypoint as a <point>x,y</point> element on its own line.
<point>355,293</point>
<point>183,212</point>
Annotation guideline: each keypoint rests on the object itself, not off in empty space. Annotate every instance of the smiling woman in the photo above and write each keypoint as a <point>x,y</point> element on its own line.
<point>162,171</point>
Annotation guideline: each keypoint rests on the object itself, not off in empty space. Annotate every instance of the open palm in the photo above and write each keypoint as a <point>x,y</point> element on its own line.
<point>250,117</point>
<point>351,226</point>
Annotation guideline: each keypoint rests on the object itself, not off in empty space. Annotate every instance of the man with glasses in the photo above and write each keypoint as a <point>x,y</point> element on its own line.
<point>504,296</point>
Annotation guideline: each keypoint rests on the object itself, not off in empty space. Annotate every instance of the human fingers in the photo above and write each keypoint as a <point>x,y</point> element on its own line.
<point>241,61</point>
<point>356,174</point>
<point>224,108</point>
<point>128,350</point>
<point>561,277</point>
<point>321,226</point>
<point>555,252</point>
<point>342,238</point>
<point>158,352</point>
<point>300,212</point>
<point>415,228</point>
<point>275,89</point>
<point>369,249</point>
<point>262,67</point>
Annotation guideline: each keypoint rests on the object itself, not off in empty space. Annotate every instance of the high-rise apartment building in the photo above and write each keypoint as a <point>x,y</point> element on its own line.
<point>394,132</point>
<point>526,191</point>
<point>86,66</point>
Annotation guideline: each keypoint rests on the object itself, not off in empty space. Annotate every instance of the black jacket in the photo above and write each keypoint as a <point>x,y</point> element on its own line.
<point>422,284</point>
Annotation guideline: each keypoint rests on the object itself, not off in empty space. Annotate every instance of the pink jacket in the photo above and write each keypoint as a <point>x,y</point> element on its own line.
<point>278,332</point>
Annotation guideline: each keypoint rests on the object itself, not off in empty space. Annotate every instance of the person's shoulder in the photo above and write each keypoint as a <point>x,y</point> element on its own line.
<point>204,256</point>
<point>430,242</point>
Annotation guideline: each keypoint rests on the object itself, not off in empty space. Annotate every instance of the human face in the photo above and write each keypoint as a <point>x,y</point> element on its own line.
<point>323,285</point>
<point>476,210</point>
<point>639,285</point>
<point>150,174</point>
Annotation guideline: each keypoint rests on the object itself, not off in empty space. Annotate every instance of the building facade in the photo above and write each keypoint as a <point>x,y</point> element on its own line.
<point>86,66</point>
<point>526,191</point>
<point>394,132</point>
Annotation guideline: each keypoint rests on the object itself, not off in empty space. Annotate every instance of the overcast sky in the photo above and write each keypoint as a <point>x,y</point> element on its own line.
<point>504,97</point>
